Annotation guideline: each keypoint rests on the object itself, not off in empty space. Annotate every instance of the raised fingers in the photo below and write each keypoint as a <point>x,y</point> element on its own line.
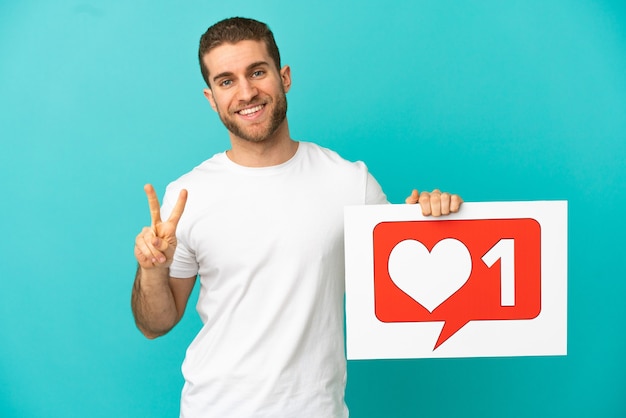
<point>153,203</point>
<point>177,212</point>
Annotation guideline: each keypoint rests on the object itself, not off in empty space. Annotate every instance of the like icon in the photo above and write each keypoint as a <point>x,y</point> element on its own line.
<point>457,271</point>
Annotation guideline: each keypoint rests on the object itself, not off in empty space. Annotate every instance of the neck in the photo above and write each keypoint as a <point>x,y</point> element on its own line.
<point>274,150</point>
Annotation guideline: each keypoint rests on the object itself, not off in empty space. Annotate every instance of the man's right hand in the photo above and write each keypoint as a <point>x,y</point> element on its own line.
<point>155,245</point>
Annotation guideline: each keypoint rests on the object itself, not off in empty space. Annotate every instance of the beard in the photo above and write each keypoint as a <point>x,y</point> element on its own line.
<point>258,133</point>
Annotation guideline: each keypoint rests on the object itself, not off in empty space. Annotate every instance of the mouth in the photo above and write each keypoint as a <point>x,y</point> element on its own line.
<point>250,110</point>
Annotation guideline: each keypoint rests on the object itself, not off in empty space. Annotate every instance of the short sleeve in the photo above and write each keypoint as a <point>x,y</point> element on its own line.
<point>374,194</point>
<point>184,264</point>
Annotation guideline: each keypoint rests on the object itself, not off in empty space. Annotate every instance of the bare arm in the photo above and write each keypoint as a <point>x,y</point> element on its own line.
<point>158,301</point>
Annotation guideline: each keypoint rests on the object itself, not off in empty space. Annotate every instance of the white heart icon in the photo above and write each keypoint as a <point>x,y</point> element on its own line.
<point>430,277</point>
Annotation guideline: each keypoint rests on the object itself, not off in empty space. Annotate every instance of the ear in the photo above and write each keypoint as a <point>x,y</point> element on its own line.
<point>285,75</point>
<point>208,93</point>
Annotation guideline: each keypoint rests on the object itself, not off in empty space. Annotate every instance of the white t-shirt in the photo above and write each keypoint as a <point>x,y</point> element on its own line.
<point>267,244</point>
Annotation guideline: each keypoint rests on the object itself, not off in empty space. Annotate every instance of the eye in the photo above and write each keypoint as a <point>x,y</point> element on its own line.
<point>226,83</point>
<point>258,73</point>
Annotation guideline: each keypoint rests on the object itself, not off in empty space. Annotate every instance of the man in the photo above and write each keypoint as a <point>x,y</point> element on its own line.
<point>262,226</point>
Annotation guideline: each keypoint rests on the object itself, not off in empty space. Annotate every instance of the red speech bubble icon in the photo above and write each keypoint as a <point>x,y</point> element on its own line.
<point>457,271</point>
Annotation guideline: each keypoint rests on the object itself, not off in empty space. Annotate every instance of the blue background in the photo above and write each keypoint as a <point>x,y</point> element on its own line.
<point>495,100</point>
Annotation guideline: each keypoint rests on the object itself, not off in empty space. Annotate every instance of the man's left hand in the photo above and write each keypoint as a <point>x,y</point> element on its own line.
<point>435,203</point>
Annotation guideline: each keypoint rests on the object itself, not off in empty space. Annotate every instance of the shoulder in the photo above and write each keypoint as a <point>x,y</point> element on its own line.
<point>194,180</point>
<point>322,155</point>
<point>206,168</point>
<point>351,180</point>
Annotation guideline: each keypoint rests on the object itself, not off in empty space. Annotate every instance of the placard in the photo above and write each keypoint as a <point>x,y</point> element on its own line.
<point>490,280</point>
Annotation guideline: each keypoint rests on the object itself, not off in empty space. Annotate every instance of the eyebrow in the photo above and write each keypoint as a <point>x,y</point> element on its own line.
<point>248,68</point>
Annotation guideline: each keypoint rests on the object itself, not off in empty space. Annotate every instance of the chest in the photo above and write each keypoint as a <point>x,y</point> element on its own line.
<point>256,221</point>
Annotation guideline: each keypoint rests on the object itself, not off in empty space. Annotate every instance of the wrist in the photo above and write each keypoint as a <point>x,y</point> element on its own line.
<point>154,274</point>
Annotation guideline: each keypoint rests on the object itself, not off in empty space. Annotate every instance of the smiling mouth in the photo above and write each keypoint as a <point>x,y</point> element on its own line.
<point>250,110</point>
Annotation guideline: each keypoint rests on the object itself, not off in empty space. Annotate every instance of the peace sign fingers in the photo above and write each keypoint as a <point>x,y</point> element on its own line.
<point>177,212</point>
<point>155,208</point>
<point>158,227</point>
<point>154,246</point>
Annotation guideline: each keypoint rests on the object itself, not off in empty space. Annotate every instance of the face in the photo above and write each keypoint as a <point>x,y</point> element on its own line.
<point>247,90</point>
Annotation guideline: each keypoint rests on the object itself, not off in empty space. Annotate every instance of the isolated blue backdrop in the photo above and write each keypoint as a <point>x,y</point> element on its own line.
<point>495,100</point>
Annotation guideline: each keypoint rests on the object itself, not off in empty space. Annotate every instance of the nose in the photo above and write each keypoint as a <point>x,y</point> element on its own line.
<point>247,90</point>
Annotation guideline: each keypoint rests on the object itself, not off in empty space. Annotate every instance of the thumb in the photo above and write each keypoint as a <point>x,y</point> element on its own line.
<point>413,198</point>
<point>160,244</point>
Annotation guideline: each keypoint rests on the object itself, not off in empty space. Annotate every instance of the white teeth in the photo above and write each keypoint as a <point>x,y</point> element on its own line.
<point>251,110</point>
